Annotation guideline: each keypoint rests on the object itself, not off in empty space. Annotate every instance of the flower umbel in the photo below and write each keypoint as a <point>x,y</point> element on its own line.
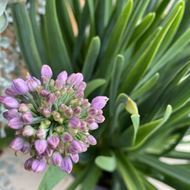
<point>52,119</point>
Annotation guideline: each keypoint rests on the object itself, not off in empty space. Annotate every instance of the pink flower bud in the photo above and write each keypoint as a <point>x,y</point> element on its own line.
<point>10,102</point>
<point>26,147</point>
<point>44,93</point>
<point>100,118</point>
<point>61,80</point>
<point>41,133</point>
<point>74,123</point>
<point>48,152</point>
<point>33,83</point>
<point>40,146</point>
<point>67,165</point>
<point>38,165</point>
<point>15,123</point>
<point>28,131</point>
<point>75,147</point>
<point>17,144</point>
<point>10,92</point>
<point>74,157</point>
<point>57,159</point>
<point>67,137</point>
<point>23,108</point>
<point>99,102</point>
<point>51,98</point>
<point>53,141</point>
<point>91,140</point>
<point>20,86</point>
<point>27,117</point>
<point>46,73</point>
<point>75,79</point>
<point>93,126</point>
<point>28,164</point>
<point>10,114</point>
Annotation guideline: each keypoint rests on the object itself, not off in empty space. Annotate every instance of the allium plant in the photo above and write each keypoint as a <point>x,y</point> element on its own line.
<point>51,118</point>
<point>137,54</point>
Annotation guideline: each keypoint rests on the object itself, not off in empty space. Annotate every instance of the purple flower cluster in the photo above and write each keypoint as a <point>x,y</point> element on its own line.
<point>51,118</point>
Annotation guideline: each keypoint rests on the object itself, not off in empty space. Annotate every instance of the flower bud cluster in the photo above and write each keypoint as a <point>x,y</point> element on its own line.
<point>51,118</point>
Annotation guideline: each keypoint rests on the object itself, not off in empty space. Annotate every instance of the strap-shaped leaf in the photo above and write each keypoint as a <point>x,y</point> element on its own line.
<point>129,174</point>
<point>115,39</point>
<point>91,179</point>
<point>140,91</point>
<point>142,27</point>
<point>175,49</point>
<point>26,38</point>
<point>91,57</point>
<point>93,85</point>
<point>107,163</point>
<point>145,60</point>
<point>50,179</point>
<point>57,50</point>
<point>37,32</point>
<point>147,130</point>
<point>65,24</point>
<point>173,175</point>
<point>115,80</point>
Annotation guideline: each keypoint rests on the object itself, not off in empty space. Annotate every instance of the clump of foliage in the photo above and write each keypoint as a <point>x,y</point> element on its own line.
<point>137,54</point>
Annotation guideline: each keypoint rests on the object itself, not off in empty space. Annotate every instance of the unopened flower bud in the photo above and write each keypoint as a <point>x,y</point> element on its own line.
<point>46,73</point>
<point>15,123</point>
<point>53,141</point>
<point>74,123</point>
<point>57,159</point>
<point>38,165</point>
<point>27,117</point>
<point>41,133</point>
<point>28,131</point>
<point>40,146</point>
<point>67,137</point>
<point>93,126</point>
<point>20,86</point>
<point>10,114</point>
<point>75,147</point>
<point>74,157</point>
<point>91,140</point>
<point>10,102</point>
<point>99,102</point>
<point>66,165</point>
<point>17,144</point>
<point>23,108</point>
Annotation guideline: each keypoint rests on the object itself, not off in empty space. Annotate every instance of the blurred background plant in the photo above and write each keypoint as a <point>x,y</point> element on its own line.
<point>137,54</point>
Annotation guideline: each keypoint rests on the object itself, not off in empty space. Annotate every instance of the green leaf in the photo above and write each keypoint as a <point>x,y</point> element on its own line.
<point>91,57</point>
<point>107,163</point>
<point>145,60</point>
<point>139,92</point>
<point>115,80</point>
<point>93,85</point>
<point>26,38</point>
<point>136,122</point>
<point>116,36</point>
<point>178,155</point>
<point>65,24</point>
<point>57,50</point>
<point>147,130</point>
<point>37,32</point>
<point>129,174</point>
<point>3,22</point>
<point>91,179</point>
<point>51,178</point>
<point>142,27</point>
<point>173,175</point>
